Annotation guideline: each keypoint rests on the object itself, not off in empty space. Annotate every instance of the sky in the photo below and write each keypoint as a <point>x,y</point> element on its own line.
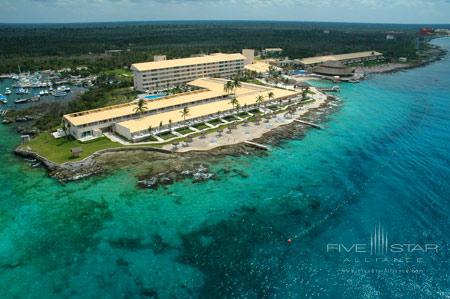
<point>370,11</point>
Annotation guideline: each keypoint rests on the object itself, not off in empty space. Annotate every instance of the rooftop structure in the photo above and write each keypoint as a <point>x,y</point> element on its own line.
<point>165,74</point>
<point>344,58</point>
<point>334,68</point>
<point>272,51</point>
<point>259,67</point>
<point>128,122</point>
<point>249,56</point>
<point>159,58</point>
<point>390,37</point>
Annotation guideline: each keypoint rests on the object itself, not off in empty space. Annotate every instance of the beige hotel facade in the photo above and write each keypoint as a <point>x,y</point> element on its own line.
<point>165,74</point>
<point>164,114</point>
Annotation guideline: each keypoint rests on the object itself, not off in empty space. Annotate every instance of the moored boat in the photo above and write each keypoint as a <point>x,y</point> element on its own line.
<point>26,100</point>
<point>22,91</point>
<point>63,88</point>
<point>59,93</point>
<point>21,101</point>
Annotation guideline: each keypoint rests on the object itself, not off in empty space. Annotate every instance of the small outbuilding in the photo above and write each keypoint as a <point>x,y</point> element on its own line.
<point>76,151</point>
<point>25,138</point>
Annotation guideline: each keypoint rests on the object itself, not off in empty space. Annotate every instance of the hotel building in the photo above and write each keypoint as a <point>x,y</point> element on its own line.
<point>165,74</point>
<point>164,114</point>
<point>344,58</point>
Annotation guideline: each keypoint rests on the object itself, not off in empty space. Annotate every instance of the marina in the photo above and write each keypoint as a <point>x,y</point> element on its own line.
<point>21,91</point>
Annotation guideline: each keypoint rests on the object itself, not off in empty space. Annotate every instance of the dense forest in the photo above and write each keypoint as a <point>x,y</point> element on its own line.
<point>65,45</point>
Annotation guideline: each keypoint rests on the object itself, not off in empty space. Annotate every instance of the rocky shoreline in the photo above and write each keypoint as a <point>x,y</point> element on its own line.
<point>156,168</point>
<point>437,54</point>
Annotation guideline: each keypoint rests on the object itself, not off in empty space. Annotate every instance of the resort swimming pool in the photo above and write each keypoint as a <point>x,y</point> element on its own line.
<point>155,96</point>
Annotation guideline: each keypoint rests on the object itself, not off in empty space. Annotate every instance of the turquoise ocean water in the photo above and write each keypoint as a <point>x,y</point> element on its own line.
<point>383,160</point>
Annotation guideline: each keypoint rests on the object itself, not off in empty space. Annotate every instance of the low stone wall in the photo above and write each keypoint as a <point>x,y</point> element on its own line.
<point>32,155</point>
<point>72,171</point>
<point>116,150</point>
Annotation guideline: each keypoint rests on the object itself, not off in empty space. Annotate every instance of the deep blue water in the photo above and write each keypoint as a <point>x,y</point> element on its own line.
<point>382,160</point>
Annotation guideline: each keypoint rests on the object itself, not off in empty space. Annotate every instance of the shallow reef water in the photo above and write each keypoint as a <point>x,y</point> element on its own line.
<point>263,229</point>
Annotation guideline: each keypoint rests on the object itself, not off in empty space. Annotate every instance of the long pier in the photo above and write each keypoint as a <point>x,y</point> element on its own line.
<point>332,89</point>
<point>308,123</point>
<point>257,145</point>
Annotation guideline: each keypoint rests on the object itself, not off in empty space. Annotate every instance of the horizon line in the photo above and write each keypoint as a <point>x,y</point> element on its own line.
<point>217,20</point>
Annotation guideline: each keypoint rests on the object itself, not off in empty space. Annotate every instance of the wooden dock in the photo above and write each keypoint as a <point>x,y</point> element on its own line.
<point>308,123</point>
<point>332,89</point>
<point>257,145</point>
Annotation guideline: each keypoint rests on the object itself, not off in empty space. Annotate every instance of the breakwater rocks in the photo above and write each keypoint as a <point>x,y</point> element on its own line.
<point>155,167</point>
<point>199,173</point>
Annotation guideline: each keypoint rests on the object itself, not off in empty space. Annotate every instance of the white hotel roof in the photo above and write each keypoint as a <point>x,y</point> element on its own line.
<point>339,57</point>
<point>155,65</point>
<point>246,95</point>
<point>211,88</point>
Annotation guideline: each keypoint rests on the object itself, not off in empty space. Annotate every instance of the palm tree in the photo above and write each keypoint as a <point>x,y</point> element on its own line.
<point>140,106</point>
<point>66,129</point>
<point>228,87</point>
<point>185,113</point>
<point>234,102</point>
<point>170,124</point>
<point>270,95</point>
<point>259,100</point>
<point>236,83</point>
<point>305,92</point>
<point>238,107</point>
<point>160,125</point>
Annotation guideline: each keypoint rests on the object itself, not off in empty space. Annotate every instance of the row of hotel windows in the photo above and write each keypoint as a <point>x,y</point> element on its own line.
<point>190,69</point>
<point>202,65</point>
<point>186,78</point>
<point>168,75</point>
<point>191,73</point>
